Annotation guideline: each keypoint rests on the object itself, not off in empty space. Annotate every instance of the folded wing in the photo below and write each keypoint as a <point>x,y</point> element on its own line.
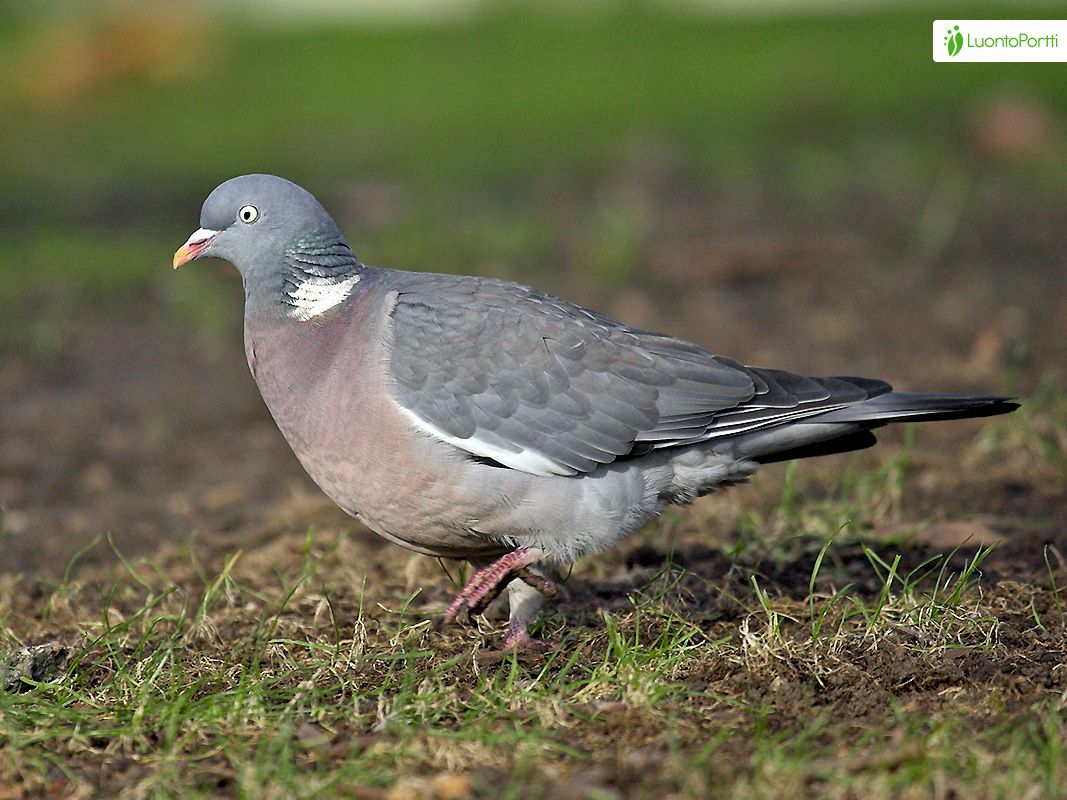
<point>541,385</point>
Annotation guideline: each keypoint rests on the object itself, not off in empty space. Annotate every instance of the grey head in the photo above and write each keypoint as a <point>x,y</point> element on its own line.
<point>282,241</point>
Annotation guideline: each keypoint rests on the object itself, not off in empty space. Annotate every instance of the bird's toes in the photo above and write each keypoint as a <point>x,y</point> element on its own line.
<point>546,586</point>
<point>522,646</point>
<point>456,607</point>
<point>522,641</point>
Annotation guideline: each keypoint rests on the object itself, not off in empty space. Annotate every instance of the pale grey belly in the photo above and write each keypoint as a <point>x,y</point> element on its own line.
<point>406,491</point>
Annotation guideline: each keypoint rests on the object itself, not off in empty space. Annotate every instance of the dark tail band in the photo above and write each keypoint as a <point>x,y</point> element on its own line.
<point>919,407</point>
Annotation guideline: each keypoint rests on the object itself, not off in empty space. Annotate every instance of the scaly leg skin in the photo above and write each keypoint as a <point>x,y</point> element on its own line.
<point>488,582</point>
<point>528,586</point>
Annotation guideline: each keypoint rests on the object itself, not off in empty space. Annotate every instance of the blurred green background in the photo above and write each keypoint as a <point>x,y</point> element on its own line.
<point>439,132</point>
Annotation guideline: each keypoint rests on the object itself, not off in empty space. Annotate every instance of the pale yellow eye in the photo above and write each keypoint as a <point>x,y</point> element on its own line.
<point>248,214</point>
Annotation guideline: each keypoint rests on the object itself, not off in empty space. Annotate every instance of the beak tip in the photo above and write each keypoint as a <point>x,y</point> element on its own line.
<point>183,255</point>
<point>194,247</point>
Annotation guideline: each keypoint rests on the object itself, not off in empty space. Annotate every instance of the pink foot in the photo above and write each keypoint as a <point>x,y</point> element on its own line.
<point>522,642</point>
<point>490,581</point>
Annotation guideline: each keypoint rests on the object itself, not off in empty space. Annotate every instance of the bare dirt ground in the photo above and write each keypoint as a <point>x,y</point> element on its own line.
<point>155,435</point>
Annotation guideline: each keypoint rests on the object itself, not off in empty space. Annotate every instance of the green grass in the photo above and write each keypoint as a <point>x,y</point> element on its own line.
<point>299,684</point>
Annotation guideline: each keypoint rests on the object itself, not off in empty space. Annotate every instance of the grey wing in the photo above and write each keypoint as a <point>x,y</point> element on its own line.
<point>544,386</point>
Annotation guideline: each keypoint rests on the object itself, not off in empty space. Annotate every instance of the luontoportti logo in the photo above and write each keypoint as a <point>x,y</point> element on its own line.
<point>954,41</point>
<point>1002,40</point>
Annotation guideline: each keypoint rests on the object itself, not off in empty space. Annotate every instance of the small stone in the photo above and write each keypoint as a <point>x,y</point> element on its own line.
<point>39,662</point>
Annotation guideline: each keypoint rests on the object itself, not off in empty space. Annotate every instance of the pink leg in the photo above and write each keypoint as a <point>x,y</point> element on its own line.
<point>490,581</point>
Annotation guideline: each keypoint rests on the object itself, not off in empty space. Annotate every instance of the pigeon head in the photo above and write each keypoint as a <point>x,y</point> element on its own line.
<point>251,220</point>
<point>287,249</point>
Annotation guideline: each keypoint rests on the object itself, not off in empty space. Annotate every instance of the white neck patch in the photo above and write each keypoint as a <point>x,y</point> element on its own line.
<point>316,296</point>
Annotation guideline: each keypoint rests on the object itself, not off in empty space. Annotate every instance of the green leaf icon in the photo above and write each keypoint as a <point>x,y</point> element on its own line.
<point>954,40</point>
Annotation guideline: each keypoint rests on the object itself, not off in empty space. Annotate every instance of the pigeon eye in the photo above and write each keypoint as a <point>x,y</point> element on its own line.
<point>248,214</point>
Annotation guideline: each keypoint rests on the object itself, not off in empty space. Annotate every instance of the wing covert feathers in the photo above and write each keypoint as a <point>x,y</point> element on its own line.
<point>541,385</point>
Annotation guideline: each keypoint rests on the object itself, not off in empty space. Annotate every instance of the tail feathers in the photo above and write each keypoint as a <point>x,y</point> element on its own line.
<point>849,428</point>
<point>858,440</point>
<point>918,407</point>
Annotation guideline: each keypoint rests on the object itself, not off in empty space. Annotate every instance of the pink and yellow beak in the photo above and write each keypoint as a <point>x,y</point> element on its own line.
<point>194,246</point>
